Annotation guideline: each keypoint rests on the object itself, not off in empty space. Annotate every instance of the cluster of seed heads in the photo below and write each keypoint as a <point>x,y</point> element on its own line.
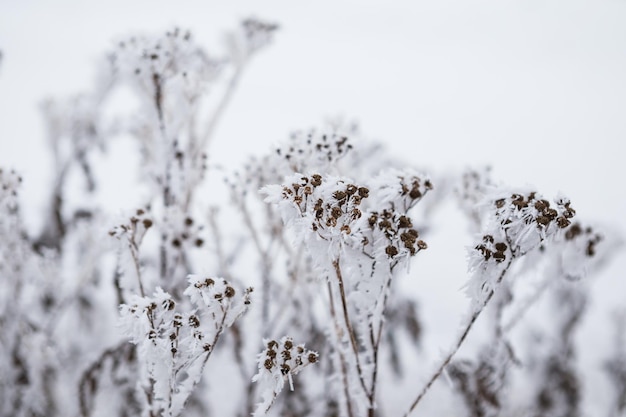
<point>592,238</point>
<point>338,211</point>
<point>414,188</point>
<point>489,248</point>
<point>190,232</point>
<point>193,324</point>
<point>544,214</point>
<point>302,152</point>
<point>138,224</point>
<point>9,184</point>
<point>286,357</point>
<point>401,190</point>
<point>217,289</point>
<point>228,292</point>
<point>305,151</point>
<point>163,49</point>
<point>398,230</point>
<point>170,329</point>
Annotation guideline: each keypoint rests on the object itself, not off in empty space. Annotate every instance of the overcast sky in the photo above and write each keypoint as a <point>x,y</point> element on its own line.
<point>536,88</point>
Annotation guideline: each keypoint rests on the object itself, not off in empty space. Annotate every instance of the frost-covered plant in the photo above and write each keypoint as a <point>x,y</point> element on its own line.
<point>104,314</point>
<point>356,241</point>
<point>516,223</point>
<point>279,362</point>
<point>174,345</point>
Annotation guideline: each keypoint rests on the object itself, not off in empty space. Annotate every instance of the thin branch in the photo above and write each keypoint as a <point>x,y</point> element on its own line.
<point>375,341</point>
<point>134,251</point>
<point>346,317</point>
<point>344,368</point>
<point>457,345</point>
<point>88,384</point>
<point>266,264</point>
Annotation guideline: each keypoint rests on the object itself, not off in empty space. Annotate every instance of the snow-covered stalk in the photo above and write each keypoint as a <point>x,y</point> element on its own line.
<point>516,223</point>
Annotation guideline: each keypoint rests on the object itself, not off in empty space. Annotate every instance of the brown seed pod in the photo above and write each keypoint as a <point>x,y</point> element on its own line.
<point>229,292</point>
<point>500,246</point>
<point>391,251</point>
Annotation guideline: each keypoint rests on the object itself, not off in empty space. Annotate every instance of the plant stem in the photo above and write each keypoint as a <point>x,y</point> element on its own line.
<point>353,341</point>
<point>457,345</point>
<point>344,368</point>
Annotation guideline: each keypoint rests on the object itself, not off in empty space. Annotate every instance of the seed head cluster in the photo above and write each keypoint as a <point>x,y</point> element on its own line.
<point>397,230</point>
<point>535,210</point>
<point>527,219</point>
<point>490,249</point>
<point>135,228</point>
<point>587,235</point>
<point>9,184</point>
<point>400,190</point>
<point>285,357</point>
<point>332,205</point>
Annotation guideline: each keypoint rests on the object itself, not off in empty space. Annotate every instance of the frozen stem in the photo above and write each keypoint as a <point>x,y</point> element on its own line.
<point>353,341</point>
<point>457,345</point>
<point>344,368</point>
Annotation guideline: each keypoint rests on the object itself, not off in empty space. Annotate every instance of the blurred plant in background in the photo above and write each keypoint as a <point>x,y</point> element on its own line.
<point>107,316</point>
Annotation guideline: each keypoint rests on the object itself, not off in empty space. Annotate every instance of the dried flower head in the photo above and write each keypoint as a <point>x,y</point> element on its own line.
<point>164,65</point>
<point>526,218</point>
<point>277,363</point>
<point>327,211</point>
<point>218,297</point>
<point>389,234</point>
